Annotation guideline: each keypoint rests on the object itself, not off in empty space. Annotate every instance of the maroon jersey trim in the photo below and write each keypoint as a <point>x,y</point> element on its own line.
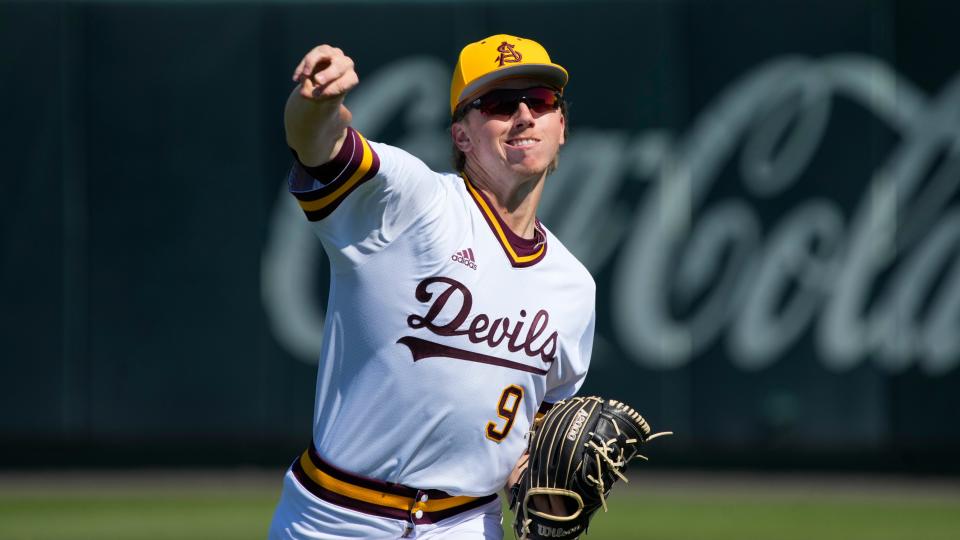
<point>521,252</point>
<point>320,190</point>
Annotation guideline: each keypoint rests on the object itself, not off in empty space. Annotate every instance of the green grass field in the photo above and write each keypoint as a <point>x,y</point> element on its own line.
<point>234,506</point>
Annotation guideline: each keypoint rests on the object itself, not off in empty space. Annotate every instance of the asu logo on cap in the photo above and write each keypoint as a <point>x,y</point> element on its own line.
<point>513,57</point>
<point>508,54</point>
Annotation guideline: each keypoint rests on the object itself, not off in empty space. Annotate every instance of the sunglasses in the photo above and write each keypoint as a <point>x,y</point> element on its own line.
<point>506,101</point>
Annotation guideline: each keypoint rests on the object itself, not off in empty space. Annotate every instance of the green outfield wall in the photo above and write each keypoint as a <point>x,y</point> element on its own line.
<point>765,192</point>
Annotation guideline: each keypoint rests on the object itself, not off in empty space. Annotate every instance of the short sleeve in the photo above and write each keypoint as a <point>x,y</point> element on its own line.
<point>565,380</point>
<point>365,197</point>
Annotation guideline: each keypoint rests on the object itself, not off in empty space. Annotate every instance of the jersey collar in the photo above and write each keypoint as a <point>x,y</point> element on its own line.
<point>521,252</point>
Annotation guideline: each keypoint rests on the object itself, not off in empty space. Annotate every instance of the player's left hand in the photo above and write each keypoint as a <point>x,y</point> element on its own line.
<point>547,502</point>
<point>575,457</point>
<point>517,471</point>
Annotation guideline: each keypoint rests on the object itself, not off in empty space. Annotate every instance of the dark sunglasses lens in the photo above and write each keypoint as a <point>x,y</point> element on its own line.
<point>541,106</point>
<point>505,102</point>
<point>542,100</point>
<point>497,106</point>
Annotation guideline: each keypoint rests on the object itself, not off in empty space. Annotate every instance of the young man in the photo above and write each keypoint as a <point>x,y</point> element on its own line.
<point>454,314</point>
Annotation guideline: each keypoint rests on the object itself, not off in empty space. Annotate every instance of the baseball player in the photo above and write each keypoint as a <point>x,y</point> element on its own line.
<point>454,315</point>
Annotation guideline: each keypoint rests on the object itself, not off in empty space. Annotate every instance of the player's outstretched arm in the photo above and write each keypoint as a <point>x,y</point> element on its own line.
<point>315,118</point>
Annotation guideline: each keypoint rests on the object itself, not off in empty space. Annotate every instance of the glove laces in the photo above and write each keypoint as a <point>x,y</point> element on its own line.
<point>607,453</point>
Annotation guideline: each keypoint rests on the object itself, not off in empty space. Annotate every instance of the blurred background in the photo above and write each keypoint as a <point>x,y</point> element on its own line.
<point>766,193</point>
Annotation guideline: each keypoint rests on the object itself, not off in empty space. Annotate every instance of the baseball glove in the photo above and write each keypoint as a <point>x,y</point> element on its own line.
<point>576,453</point>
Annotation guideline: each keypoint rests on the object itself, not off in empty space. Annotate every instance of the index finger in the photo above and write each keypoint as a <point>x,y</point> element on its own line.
<point>336,69</point>
<point>317,56</point>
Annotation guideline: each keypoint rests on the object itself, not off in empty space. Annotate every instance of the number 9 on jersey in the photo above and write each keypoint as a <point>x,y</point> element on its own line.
<point>510,400</point>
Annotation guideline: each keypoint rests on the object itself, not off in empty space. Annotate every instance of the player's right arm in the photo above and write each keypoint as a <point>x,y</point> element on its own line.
<point>315,118</point>
<point>358,194</point>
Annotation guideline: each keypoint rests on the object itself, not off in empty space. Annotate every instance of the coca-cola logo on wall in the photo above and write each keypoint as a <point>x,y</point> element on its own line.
<point>875,281</point>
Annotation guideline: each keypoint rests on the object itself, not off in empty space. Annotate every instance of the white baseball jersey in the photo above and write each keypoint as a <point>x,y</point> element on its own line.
<point>445,332</point>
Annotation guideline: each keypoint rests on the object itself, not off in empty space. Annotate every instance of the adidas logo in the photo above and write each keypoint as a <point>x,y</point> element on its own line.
<point>466,258</point>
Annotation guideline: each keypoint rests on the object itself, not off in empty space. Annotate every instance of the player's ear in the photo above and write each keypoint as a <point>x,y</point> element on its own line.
<point>563,129</point>
<point>460,136</point>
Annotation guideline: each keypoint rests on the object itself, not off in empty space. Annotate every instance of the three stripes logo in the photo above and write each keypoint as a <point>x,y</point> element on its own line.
<point>466,258</point>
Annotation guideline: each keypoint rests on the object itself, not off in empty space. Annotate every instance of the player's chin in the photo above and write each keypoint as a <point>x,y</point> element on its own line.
<point>529,172</point>
<point>530,166</point>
